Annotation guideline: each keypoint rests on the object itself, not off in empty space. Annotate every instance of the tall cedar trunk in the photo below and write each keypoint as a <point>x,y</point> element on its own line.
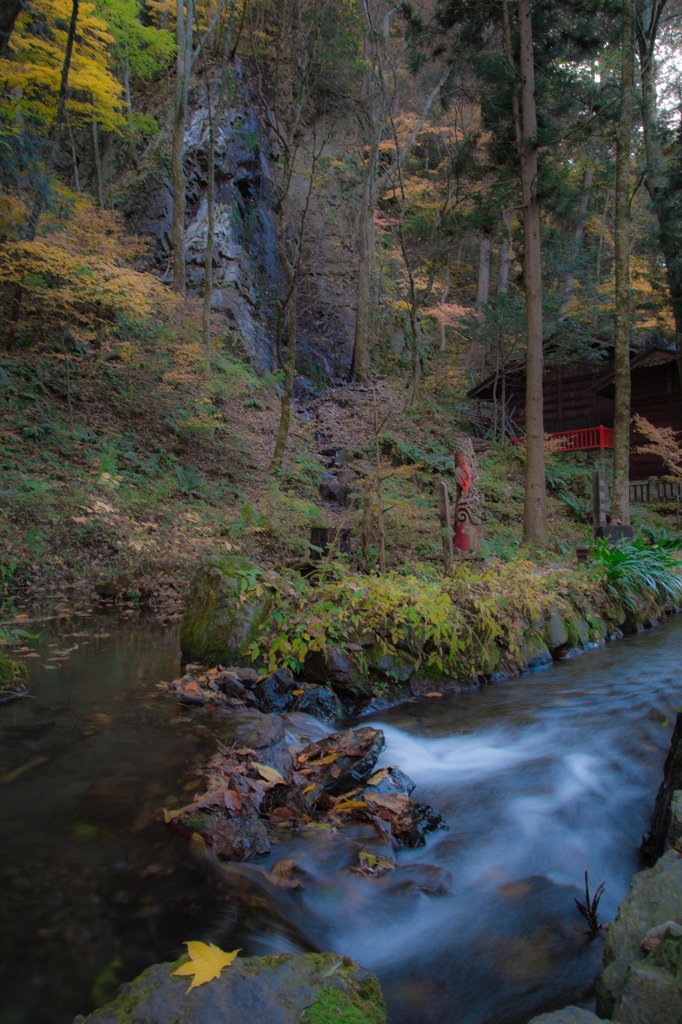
<point>483,283</point>
<point>579,231</point>
<point>505,255</point>
<point>184,26</point>
<point>621,317</point>
<point>535,503</point>
<point>662,193</point>
<point>9,12</point>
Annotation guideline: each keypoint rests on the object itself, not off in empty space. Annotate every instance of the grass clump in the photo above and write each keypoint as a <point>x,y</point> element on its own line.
<point>631,569</point>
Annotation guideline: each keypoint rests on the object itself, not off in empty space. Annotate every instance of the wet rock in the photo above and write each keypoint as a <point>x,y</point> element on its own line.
<point>428,681</point>
<point>221,619</point>
<point>275,694</point>
<point>338,668</point>
<point>243,674</point>
<point>427,879</point>
<point>408,822</point>
<point>390,780</point>
<point>345,760</point>
<point>319,701</point>
<point>569,1015</point>
<point>534,652</point>
<point>306,988</point>
<point>555,632</point>
<point>652,989</point>
<point>398,666</point>
<point>240,837</point>
<point>663,833</point>
<point>654,897</point>
<point>265,736</point>
<point>13,680</point>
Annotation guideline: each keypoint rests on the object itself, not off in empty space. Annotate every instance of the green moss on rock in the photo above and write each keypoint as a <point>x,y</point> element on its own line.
<point>226,607</point>
<point>13,675</point>
<point>361,1006</point>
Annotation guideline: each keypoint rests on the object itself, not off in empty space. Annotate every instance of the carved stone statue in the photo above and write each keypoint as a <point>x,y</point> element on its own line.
<point>467,517</point>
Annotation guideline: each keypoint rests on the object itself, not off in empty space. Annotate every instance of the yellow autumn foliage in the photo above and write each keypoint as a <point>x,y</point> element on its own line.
<point>79,277</point>
<point>30,75</point>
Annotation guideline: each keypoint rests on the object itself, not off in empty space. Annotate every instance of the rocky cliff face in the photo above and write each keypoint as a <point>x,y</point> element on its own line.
<point>246,272</point>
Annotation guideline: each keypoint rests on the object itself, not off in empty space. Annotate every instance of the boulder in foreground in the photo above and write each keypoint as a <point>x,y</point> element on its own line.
<point>307,988</point>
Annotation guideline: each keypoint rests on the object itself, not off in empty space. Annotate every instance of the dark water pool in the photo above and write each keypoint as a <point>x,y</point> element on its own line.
<point>539,779</point>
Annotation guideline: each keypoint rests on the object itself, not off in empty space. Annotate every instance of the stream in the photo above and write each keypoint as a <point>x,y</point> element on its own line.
<point>540,779</point>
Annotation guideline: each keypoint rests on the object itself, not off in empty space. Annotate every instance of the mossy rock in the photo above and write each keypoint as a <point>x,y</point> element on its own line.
<point>655,896</point>
<point>534,652</point>
<point>226,608</point>
<point>398,666</point>
<point>13,679</point>
<point>308,988</point>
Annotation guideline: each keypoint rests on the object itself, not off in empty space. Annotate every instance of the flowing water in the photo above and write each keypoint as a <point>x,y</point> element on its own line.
<point>539,779</point>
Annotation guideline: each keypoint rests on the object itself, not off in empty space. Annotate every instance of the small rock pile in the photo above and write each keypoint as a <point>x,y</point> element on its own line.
<point>278,693</point>
<point>259,786</point>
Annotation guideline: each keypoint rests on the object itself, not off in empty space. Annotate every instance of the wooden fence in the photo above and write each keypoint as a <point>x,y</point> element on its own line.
<point>643,492</point>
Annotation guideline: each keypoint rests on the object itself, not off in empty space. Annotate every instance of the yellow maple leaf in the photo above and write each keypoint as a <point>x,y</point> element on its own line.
<point>206,961</point>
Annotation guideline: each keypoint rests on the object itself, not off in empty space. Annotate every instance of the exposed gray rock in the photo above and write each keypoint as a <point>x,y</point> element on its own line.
<point>338,668</point>
<point>569,1015</point>
<point>555,631</point>
<point>655,896</point>
<point>265,735</point>
<point>652,992</point>
<point>302,989</point>
<point>535,652</point>
<point>663,832</point>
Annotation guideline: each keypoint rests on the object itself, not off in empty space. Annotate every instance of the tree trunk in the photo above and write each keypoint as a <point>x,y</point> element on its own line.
<point>663,193</point>
<point>55,131</point>
<point>621,317</point>
<point>579,231</point>
<point>184,27</point>
<point>535,504</point>
<point>483,283</point>
<point>9,13</point>
<point>505,255</point>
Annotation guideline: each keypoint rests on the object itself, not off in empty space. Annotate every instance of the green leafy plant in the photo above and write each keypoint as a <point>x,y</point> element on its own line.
<point>630,569</point>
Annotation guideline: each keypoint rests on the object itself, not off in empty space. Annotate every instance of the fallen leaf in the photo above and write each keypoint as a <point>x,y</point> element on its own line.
<point>169,816</point>
<point>206,961</point>
<point>433,693</point>
<point>268,773</point>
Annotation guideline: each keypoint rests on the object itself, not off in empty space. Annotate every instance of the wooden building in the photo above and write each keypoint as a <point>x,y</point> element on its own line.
<point>579,396</point>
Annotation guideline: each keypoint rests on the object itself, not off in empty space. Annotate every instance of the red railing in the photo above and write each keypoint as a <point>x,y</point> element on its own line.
<point>576,440</point>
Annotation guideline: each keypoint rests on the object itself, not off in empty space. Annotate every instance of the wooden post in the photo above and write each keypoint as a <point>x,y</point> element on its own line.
<point>445,526</point>
<point>598,499</point>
